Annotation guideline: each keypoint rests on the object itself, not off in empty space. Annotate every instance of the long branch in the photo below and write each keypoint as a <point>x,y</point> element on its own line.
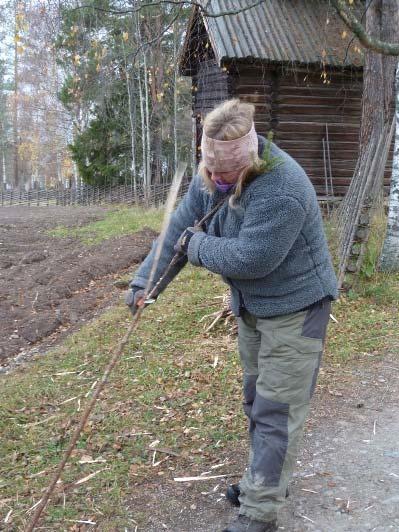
<point>359,30</point>
<point>194,3</point>
<point>345,13</point>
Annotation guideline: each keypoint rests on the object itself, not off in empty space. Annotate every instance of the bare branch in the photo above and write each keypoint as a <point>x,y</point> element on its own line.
<point>181,3</point>
<point>359,30</point>
<point>354,36</point>
<point>155,39</point>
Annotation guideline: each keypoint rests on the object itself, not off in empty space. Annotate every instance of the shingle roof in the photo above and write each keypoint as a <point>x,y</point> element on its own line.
<point>303,31</point>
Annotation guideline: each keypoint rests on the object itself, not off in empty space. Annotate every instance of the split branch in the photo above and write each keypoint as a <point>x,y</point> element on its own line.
<point>194,3</point>
<point>359,30</point>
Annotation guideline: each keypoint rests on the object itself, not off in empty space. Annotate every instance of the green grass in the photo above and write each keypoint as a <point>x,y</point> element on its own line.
<point>165,384</point>
<point>367,314</point>
<point>367,320</point>
<point>118,222</point>
<point>374,245</point>
<point>166,387</point>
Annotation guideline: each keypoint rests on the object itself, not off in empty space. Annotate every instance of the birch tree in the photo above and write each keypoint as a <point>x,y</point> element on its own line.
<point>18,49</point>
<point>379,37</point>
<point>4,129</point>
<point>131,87</point>
<point>390,251</point>
<point>132,114</point>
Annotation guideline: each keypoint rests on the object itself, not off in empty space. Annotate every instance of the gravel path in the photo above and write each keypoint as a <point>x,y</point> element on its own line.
<point>347,477</point>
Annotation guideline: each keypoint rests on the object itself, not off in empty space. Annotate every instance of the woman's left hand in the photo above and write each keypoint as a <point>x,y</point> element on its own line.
<point>181,245</point>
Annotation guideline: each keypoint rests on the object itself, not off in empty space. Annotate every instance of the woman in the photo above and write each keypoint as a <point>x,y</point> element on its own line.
<point>268,243</point>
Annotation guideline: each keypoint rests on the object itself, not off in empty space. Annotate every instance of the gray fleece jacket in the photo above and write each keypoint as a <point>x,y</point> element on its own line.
<point>270,249</point>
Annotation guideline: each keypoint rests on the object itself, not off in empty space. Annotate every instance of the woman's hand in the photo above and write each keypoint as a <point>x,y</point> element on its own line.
<point>135,298</point>
<point>181,245</point>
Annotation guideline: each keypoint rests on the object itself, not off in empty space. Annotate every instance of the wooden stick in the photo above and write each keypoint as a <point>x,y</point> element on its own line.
<point>191,479</point>
<point>100,386</point>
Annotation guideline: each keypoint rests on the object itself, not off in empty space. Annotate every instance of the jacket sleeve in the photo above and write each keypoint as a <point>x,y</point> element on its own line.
<point>188,211</point>
<point>269,230</point>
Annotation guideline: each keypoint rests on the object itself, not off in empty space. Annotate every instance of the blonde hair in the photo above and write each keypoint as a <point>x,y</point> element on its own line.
<point>231,120</point>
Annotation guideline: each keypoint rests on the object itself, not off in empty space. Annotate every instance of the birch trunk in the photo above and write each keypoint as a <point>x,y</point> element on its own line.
<point>390,250</point>
<point>175,99</point>
<point>4,172</point>
<point>142,117</point>
<point>143,141</point>
<point>130,91</point>
<point>147,125</point>
<point>15,106</point>
<point>194,145</point>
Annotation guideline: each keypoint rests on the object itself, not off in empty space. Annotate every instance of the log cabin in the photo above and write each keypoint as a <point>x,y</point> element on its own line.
<point>300,67</point>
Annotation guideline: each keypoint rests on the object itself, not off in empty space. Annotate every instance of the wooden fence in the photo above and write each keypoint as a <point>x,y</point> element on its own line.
<point>124,194</point>
<point>86,195</point>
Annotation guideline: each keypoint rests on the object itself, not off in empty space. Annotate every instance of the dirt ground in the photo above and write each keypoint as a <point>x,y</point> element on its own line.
<point>50,285</point>
<point>347,477</point>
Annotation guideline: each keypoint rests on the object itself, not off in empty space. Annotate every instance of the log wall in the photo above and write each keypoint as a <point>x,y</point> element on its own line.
<point>301,106</point>
<point>210,87</point>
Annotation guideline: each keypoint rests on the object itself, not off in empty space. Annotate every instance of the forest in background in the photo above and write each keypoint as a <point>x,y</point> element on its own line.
<point>92,92</point>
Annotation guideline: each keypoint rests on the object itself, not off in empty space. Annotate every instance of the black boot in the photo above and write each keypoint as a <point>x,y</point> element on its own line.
<point>233,492</point>
<point>245,524</point>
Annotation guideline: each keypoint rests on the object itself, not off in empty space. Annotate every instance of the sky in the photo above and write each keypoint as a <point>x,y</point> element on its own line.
<point>6,36</point>
<point>7,31</point>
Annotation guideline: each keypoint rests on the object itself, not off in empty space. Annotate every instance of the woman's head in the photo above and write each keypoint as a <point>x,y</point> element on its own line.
<point>229,146</point>
<point>230,120</point>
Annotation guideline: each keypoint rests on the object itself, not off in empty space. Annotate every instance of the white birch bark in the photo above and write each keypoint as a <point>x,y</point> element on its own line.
<point>175,98</point>
<point>390,251</point>
<point>141,101</point>
<point>130,90</point>
<point>16,96</point>
<point>78,180</point>
<point>147,124</point>
<point>4,171</point>
<point>194,145</point>
<point>143,141</point>
<point>58,163</point>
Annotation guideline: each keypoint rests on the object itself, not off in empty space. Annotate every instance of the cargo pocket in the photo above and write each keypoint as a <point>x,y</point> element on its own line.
<point>297,342</point>
<point>287,371</point>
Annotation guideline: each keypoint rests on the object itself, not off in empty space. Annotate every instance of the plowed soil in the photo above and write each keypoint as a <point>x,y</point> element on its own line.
<point>50,285</point>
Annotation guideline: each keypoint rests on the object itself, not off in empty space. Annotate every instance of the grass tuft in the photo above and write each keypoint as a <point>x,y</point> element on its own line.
<point>117,222</point>
<point>374,245</point>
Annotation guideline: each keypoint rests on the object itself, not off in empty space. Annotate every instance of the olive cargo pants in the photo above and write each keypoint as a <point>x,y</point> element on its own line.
<point>281,358</point>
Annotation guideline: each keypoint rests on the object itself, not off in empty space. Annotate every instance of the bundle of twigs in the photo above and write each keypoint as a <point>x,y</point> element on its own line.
<point>356,210</point>
<point>224,316</point>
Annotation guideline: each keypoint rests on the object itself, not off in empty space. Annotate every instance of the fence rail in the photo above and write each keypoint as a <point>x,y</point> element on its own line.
<point>152,196</point>
<point>86,195</point>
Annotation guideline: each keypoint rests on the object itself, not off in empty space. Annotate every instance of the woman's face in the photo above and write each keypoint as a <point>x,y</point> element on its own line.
<point>225,177</point>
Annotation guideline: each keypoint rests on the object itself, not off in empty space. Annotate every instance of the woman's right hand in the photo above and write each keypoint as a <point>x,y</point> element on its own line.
<point>135,298</point>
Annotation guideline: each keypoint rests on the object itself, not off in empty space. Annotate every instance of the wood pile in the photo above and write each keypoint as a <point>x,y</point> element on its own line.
<point>356,211</point>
